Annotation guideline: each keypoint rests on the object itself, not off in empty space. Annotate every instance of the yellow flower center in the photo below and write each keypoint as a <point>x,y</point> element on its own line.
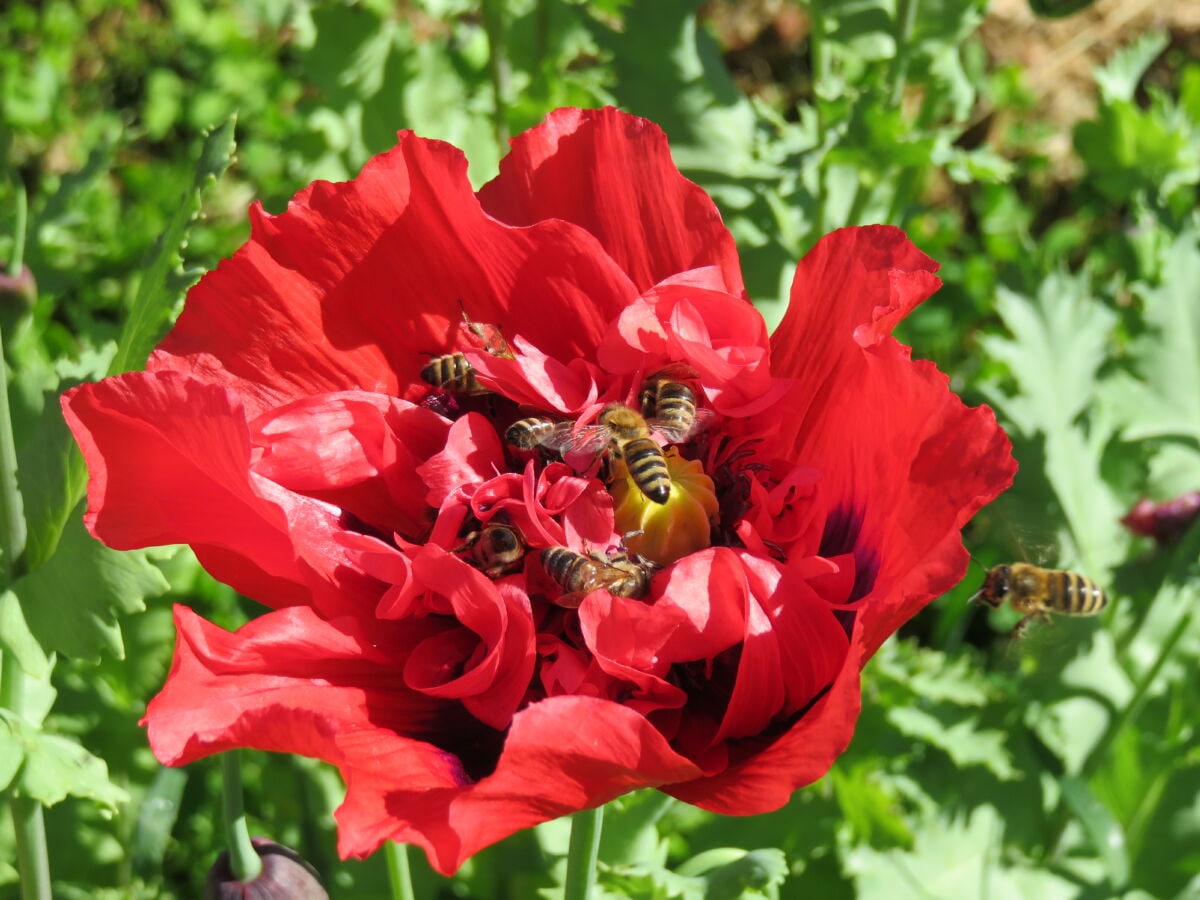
<point>666,531</point>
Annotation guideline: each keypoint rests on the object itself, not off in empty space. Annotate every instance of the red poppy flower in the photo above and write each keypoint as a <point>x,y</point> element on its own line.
<point>420,638</point>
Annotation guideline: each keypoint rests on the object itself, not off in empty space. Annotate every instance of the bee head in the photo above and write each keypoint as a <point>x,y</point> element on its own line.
<point>996,585</point>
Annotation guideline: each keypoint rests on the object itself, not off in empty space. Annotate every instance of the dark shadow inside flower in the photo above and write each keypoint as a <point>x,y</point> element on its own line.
<point>843,536</point>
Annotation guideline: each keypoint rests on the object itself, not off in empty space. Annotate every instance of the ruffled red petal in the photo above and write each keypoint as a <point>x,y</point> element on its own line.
<point>904,464</point>
<point>169,459</point>
<point>358,283</point>
<point>612,174</point>
<point>561,755</point>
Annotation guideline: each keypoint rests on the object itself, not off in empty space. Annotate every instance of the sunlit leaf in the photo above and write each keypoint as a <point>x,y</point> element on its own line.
<point>72,602</point>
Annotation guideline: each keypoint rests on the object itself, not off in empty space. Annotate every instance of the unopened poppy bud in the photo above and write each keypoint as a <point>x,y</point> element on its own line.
<point>18,290</point>
<point>666,532</point>
<point>284,876</point>
<point>1167,521</point>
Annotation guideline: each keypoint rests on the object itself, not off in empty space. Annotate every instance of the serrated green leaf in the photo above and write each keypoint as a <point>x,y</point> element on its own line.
<point>17,639</point>
<point>952,858</point>
<point>56,767</point>
<point>756,874</point>
<point>961,741</point>
<point>1165,399</point>
<point>71,603</point>
<point>1058,342</point>
<point>1103,831</point>
<point>152,304</point>
<point>1119,77</point>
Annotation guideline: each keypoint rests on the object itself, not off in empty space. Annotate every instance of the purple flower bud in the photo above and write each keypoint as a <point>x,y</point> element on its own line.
<point>284,876</point>
<point>1165,522</point>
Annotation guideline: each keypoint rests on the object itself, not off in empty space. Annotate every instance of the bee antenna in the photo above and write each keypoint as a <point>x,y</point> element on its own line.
<point>972,558</point>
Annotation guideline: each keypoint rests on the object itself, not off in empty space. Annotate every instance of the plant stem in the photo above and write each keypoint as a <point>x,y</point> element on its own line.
<point>20,221</point>
<point>906,19</point>
<point>399,874</point>
<point>581,855</point>
<point>244,860</point>
<point>29,829</point>
<point>12,509</point>
<point>493,26</point>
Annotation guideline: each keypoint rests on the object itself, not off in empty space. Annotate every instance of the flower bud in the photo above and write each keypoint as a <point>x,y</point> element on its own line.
<point>284,876</point>
<point>19,291</point>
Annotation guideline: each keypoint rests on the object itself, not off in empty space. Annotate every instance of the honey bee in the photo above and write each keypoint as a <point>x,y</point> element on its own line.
<point>622,430</point>
<point>497,549</point>
<point>452,372</point>
<point>578,575</point>
<point>1037,592</point>
<point>670,406</point>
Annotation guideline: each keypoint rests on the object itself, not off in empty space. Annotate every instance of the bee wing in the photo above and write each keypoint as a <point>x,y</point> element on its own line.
<point>567,438</point>
<point>674,434</point>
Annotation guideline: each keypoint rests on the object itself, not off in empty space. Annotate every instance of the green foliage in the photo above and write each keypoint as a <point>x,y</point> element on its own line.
<point>1064,764</point>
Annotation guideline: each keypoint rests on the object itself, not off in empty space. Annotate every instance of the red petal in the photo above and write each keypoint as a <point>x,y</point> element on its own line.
<point>612,173</point>
<point>355,450</point>
<point>288,681</point>
<point>904,464</point>
<point>561,755</point>
<point>488,663</point>
<point>764,781</point>
<point>472,455</point>
<point>358,283</point>
<point>169,459</point>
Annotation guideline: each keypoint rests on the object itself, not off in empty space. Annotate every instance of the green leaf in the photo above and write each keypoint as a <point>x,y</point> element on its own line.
<point>1105,834</point>
<point>52,477</point>
<point>155,819</point>
<point>152,305</point>
<point>17,639</point>
<point>1164,400</point>
<point>1119,77</point>
<point>71,603</point>
<point>630,835</point>
<point>1059,340</point>
<point>55,767</point>
<point>961,740</point>
<point>952,858</point>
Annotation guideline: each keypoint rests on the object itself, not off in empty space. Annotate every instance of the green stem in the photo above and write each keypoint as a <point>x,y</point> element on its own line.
<point>29,829</point>
<point>582,853</point>
<point>21,216</point>
<point>498,70</point>
<point>244,861</point>
<point>817,58</point>
<point>12,509</point>
<point>906,19</point>
<point>399,874</point>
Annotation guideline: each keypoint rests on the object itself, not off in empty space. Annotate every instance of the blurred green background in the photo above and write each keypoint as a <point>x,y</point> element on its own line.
<point>1046,153</point>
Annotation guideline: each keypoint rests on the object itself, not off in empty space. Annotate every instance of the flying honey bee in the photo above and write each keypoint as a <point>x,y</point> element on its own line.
<point>497,549</point>
<point>1037,592</point>
<point>578,575</point>
<point>452,372</point>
